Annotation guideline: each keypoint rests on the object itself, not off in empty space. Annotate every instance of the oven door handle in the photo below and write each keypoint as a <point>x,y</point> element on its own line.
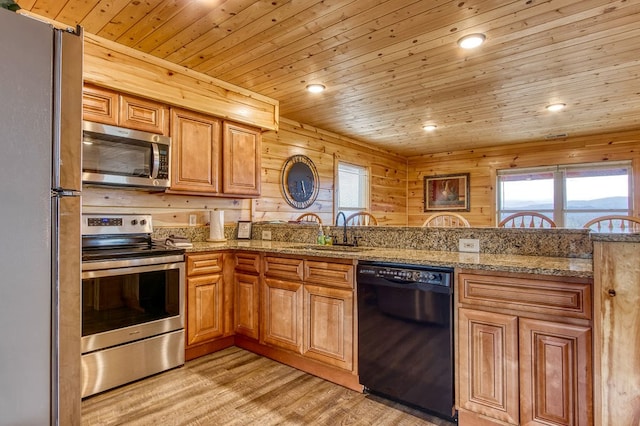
<point>98,273</point>
<point>155,167</point>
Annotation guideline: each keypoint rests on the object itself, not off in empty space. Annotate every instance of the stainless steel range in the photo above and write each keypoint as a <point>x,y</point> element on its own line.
<point>132,302</point>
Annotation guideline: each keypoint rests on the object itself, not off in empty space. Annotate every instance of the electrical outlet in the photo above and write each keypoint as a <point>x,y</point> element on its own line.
<point>469,245</point>
<point>266,235</point>
<point>192,220</point>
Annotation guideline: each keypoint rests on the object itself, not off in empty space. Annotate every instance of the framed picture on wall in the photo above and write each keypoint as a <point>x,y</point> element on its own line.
<point>446,193</point>
<point>244,230</point>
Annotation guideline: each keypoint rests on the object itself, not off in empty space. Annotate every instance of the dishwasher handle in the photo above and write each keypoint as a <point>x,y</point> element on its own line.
<point>387,282</point>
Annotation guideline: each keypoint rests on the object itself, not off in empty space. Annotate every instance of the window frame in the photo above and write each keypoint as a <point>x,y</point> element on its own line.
<point>367,188</point>
<point>560,210</point>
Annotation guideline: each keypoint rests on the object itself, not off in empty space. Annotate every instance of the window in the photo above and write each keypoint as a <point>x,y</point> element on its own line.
<point>353,188</point>
<point>571,195</point>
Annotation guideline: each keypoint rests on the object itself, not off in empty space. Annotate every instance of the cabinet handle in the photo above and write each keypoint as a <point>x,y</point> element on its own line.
<point>612,292</point>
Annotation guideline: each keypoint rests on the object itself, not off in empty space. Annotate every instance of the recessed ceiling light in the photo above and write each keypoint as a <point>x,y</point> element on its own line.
<point>472,40</point>
<point>316,88</point>
<point>555,107</point>
<point>429,127</point>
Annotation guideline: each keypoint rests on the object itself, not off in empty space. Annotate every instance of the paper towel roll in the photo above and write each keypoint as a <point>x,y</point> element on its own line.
<point>216,225</point>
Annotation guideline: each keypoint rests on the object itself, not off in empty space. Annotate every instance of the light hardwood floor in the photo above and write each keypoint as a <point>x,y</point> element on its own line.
<point>237,387</point>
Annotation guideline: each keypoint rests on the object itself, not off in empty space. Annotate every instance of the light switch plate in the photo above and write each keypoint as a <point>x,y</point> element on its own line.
<point>192,220</point>
<point>469,245</point>
<point>266,235</point>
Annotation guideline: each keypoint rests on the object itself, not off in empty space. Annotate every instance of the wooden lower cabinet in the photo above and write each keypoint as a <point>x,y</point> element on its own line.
<point>299,311</point>
<point>328,328</point>
<point>555,373</point>
<point>617,333</point>
<point>204,301</point>
<point>519,366</point>
<point>246,278</point>
<point>282,314</point>
<point>209,295</point>
<point>488,359</point>
<point>247,304</point>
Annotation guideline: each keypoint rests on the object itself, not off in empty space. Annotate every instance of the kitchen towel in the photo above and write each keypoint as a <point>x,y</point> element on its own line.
<point>216,225</point>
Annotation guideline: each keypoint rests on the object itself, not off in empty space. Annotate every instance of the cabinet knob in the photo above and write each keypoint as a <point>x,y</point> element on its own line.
<point>612,292</point>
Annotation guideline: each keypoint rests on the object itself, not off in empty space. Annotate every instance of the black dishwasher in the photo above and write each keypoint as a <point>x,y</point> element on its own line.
<point>405,337</point>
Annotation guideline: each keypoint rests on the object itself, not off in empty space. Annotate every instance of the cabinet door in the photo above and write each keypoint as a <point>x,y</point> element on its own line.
<point>142,114</point>
<point>488,364</point>
<point>282,314</point>
<point>617,333</point>
<point>329,325</point>
<point>555,373</point>
<point>195,150</point>
<point>204,308</point>
<point>247,291</point>
<point>100,105</point>
<point>241,155</point>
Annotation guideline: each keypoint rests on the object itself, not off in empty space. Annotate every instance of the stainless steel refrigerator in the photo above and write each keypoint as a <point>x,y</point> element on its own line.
<point>40,180</point>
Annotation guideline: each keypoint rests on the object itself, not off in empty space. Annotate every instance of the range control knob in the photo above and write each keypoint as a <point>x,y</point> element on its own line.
<point>143,222</point>
<point>134,222</point>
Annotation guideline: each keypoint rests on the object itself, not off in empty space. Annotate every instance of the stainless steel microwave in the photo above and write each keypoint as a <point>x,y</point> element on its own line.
<point>123,157</point>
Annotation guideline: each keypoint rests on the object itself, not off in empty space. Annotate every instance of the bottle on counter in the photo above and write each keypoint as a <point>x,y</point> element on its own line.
<point>320,236</point>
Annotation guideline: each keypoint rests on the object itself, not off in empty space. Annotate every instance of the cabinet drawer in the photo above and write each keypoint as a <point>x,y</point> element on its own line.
<point>248,262</point>
<point>198,264</point>
<point>283,267</point>
<point>329,273</point>
<point>545,295</point>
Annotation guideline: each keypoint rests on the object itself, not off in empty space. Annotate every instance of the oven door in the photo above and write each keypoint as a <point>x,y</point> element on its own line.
<point>124,304</point>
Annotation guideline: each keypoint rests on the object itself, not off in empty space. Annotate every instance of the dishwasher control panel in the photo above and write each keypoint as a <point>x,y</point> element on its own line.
<point>406,274</point>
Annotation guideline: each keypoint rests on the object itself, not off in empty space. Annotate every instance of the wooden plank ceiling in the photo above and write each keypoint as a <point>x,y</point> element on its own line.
<point>391,66</point>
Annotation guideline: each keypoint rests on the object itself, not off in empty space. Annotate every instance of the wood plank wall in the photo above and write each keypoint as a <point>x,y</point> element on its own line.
<point>482,165</point>
<point>388,174</point>
<point>388,184</point>
<point>167,209</point>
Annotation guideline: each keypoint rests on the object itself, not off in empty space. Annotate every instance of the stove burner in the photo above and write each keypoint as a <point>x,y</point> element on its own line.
<point>127,252</point>
<point>126,236</point>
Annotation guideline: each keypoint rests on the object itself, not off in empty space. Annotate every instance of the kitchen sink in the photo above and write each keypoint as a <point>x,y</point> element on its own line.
<point>337,248</point>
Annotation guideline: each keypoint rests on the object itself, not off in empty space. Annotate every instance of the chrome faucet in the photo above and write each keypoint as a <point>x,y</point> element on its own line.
<point>344,226</point>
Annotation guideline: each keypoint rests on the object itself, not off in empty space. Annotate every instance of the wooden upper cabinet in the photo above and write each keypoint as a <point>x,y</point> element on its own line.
<point>100,105</point>
<point>212,157</point>
<point>143,114</point>
<point>241,151</point>
<point>195,152</point>
<point>110,107</point>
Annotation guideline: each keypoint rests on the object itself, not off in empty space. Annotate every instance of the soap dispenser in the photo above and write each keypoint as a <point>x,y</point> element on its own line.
<point>320,236</point>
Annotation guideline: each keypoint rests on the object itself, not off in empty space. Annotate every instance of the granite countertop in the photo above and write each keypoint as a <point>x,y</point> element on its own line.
<point>558,266</point>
